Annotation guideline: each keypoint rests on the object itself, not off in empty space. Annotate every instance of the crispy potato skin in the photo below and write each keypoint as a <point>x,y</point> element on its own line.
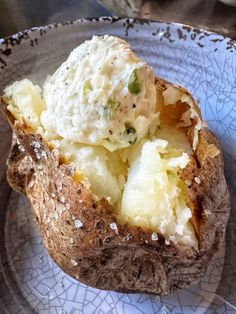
<point>126,259</point>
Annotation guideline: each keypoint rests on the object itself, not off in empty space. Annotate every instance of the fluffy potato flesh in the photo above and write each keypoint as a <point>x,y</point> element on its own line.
<point>154,195</point>
<point>142,181</point>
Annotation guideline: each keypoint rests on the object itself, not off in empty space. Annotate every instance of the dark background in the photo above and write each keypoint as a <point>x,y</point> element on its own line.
<point>16,15</point>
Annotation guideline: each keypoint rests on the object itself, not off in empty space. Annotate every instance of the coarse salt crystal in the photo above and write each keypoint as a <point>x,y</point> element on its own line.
<point>78,223</point>
<point>62,199</point>
<point>113,226</point>
<point>67,206</point>
<point>73,262</point>
<point>35,144</point>
<point>71,240</point>
<point>31,184</point>
<point>21,148</point>
<point>197,180</point>
<point>154,236</point>
<point>44,154</point>
<point>55,214</point>
<point>48,220</point>
<point>167,242</point>
<point>59,186</point>
<point>188,182</point>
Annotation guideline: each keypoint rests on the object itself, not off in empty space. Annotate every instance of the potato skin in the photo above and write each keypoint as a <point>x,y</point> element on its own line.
<point>125,259</point>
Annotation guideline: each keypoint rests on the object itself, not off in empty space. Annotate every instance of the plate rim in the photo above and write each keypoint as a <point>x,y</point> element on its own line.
<point>112,19</point>
<point>30,31</point>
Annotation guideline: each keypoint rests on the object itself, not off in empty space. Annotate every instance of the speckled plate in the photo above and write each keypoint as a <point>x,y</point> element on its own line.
<point>201,61</point>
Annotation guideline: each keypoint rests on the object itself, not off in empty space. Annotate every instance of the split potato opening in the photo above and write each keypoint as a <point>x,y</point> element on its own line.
<point>142,182</point>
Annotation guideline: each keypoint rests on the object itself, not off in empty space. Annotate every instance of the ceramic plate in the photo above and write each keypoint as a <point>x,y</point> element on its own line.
<point>201,61</point>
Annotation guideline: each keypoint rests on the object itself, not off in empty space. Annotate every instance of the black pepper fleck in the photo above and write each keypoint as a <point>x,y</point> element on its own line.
<point>107,239</point>
<point>99,224</point>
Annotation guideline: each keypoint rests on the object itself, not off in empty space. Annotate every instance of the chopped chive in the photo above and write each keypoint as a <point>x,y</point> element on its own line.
<point>133,84</point>
<point>87,87</point>
<point>131,133</point>
<point>111,106</point>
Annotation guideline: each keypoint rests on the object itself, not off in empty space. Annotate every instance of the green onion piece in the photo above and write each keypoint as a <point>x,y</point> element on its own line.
<point>134,85</point>
<point>87,87</point>
<point>131,133</point>
<point>111,106</point>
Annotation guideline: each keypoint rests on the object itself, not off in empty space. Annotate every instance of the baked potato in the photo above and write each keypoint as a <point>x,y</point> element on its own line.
<point>158,231</point>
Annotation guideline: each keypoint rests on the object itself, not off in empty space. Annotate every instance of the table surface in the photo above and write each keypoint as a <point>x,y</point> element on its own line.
<point>16,15</point>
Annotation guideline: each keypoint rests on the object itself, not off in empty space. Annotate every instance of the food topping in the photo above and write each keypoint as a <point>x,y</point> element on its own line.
<point>78,223</point>
<point>134,85</point>
<point>73,262</point>
<point>90,98</point>
<point>114,227</point>
<point>111,106</point>
<point>154,236</point>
